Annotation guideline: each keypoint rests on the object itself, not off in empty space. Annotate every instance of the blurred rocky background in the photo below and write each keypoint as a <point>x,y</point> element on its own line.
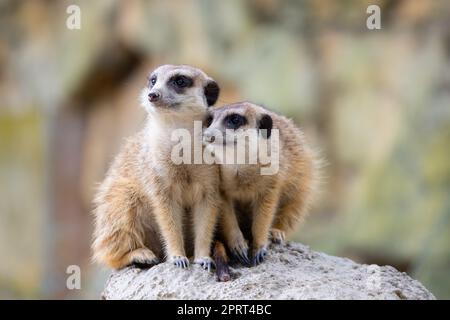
<point>375,102</point>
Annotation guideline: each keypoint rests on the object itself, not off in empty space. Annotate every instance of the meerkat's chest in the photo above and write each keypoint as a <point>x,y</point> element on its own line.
<point>192,183</point>
<point>241,183</point>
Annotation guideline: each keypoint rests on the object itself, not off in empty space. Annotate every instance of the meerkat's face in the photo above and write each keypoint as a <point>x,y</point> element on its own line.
<point>174,89</point>
<point>233,122</point>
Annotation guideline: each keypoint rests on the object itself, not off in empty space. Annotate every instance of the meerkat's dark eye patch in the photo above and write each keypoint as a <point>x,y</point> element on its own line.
<point>234,121</point>
<point>265,124</point>
<point>208,121</point>
<point>180,82</point>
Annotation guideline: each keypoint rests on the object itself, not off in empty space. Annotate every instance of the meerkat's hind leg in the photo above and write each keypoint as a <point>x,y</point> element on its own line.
<point>277,236</point>
<point>120,244</point>
<point>142,258</point>
<point>287,217</point>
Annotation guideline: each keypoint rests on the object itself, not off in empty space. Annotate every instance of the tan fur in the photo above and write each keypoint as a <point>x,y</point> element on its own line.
<point>148,208</point>
<point>275,203</point>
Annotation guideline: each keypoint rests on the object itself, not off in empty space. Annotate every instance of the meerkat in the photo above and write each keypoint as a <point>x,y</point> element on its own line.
<point>148,208</point>
<point>264,205</point>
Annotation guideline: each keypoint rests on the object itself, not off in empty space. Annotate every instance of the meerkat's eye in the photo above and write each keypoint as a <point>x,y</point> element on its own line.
<point>235,121</point>
<point>182,81</point>
<point>152,80</point>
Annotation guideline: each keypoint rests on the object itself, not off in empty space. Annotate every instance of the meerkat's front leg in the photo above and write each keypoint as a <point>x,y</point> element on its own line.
<point>205,218</point>
<point>263,216</point>
<point>169,219</point>
<point>232,233</point>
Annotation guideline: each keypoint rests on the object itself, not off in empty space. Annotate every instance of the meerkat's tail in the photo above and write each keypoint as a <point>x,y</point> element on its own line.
<point>221,261</point>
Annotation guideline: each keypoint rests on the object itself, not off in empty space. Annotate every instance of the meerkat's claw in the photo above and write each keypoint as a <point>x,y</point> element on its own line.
<point>239,250</point>
<point>180,262</point>
<point>241,255</point>
<point>259,256</point>
<point>206,263</point>
<point>277,236</point>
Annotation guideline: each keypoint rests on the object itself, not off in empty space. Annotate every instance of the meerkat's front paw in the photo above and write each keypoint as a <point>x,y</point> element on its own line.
<point>259,255</point>
<point>205,262</point>
<point>143,258</point>
<point>277,236</point>
<point>239,250</point>
<point>180,261</point>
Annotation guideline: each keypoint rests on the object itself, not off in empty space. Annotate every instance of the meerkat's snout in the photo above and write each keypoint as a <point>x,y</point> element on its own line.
<point>212,136</point>
<point>208,137</point>
<point>154,96</point>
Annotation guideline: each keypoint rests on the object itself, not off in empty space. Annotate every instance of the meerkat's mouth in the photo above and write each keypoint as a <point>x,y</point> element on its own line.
<point>166,105</point>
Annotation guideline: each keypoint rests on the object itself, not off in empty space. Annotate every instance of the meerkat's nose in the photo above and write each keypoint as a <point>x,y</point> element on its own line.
<point>207,137</point>
<point>154,96</point>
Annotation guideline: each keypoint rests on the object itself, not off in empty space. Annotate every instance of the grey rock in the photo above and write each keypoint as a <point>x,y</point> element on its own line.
<point>291,271</point>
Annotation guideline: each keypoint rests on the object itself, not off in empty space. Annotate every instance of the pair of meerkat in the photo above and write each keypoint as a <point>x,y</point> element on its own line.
<point>260,206</point>
<point>147,204</point>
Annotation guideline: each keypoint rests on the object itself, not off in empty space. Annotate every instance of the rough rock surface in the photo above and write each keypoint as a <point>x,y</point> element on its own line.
<point>291,271</point>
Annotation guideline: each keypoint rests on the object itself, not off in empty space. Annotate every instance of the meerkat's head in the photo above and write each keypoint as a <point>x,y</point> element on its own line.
<point>178,89</point>
<point>245,130</point>
<point>233,122</point>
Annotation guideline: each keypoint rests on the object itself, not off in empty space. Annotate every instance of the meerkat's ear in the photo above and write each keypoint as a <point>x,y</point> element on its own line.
<point>265,123</point>
<point>212,91</point>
